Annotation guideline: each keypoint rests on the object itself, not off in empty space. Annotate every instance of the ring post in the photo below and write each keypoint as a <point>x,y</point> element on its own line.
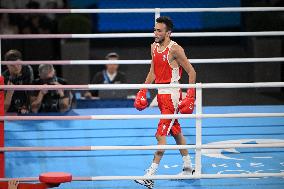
<point>198,126</point>
<point>157,13</point>
<point>0,57</point>
<point>2,160</point>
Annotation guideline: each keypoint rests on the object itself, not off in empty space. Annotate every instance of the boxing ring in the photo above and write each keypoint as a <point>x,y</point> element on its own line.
<point>243,144</point>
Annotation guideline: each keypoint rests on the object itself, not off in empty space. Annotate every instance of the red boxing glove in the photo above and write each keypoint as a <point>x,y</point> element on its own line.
<point>141,102</point>
<point>186,106</point>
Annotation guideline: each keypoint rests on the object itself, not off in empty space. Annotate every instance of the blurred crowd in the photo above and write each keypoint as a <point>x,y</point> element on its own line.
<point>30,23</point>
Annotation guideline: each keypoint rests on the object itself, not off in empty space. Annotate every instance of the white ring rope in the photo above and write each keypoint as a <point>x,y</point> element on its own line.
<point>158,177</point>
<point>145,10</point>
<point>123,117</point>
<point>143,62</point>
<point>137,35</point>
<point>156,147</point>
<point>138,86</point>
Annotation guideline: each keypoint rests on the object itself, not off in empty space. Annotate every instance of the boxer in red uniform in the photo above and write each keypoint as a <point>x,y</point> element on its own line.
<point>168,59</point>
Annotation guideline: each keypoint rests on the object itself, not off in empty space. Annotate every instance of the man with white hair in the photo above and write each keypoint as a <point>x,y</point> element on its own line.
<point>52,100</point>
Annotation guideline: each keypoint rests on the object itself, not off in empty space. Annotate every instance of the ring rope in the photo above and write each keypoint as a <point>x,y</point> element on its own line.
<point>147,10</point>
<point>143,62</point>
<point>137,35</point>
<point>138,86</point>
<point>154,147</point>
<point>159,177</point>
<point>122,117</point>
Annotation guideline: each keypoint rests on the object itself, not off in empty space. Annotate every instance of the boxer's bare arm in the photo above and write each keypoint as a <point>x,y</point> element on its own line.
<point>151,75</point>
<point>180,57</point>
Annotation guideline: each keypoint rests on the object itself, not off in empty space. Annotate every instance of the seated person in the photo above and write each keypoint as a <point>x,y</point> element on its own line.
<point>110,75</point>
<point>53,100</point>
<point>16,74</point>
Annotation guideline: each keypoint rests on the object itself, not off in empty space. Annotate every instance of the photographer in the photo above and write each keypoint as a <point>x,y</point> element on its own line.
<point>52,100</point>
<point>16,74</point>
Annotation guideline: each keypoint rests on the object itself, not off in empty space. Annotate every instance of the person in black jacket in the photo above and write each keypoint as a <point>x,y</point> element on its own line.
<point>110,75</point>
<point>17,74</point>
<point>50,100</point>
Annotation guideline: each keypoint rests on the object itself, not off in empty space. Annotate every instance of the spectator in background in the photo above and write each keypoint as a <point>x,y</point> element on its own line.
<point>51,4</point>
<point>6,26</point>
<point>18,4</point>
<point>53,100</point>
<point>110,75</point>
<point>13,4</point>
<point>36,23</point>
<point>16,74</point>
<point>30,22</point>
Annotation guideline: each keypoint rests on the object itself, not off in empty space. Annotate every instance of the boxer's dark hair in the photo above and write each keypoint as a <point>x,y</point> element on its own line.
<point>167,21</point>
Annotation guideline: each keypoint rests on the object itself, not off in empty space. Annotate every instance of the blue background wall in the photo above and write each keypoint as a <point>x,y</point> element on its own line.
<point>142,22</point>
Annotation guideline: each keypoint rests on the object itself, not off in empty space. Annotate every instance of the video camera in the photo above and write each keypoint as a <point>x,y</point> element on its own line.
<point>50,81</point>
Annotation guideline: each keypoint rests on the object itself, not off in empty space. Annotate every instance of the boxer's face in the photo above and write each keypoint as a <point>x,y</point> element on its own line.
<point>161,32</point>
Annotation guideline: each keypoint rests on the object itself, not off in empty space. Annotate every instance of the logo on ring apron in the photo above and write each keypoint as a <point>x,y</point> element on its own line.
<point>244,160</point>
